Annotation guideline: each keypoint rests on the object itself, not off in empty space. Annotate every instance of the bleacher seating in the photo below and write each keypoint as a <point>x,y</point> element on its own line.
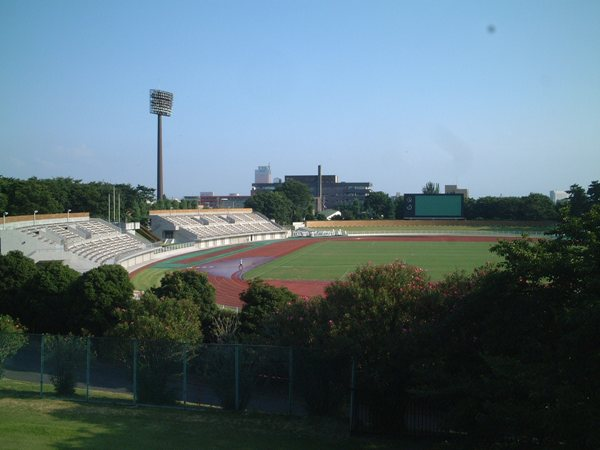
<point>95,239</point>
<point>206,226</point>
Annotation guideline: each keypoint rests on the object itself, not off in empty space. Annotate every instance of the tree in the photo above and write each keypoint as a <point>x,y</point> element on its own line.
<point>194,286</point>
<point>167,330</point>
<point>274,205</point>
<point>16,271</point>
<point>593,193</point>
<point>261,301</point>
<point>48,304</point>
<point>577,202</point>
<point>153,318</point>
<point>12,338</point>
<point>379,205</point>
<point>300,197</point>
<point>99,296</point>
<point>538,207</point>
<point>431,188</point>
<point>399,207</point>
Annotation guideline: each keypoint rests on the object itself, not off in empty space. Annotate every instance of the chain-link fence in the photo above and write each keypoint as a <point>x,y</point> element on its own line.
<point>281,380</point>
<point>238,377</point>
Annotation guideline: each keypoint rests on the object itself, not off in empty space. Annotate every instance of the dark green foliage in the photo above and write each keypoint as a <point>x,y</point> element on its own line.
<point>99,295</point>
<point>153,318</point>
<point>57,195</point>
<point>262,301</point>
<point>534,207</point>
<point>48,305</point>
<point>274,205</point>
<point>379,205</point>
<point>64,357</point>
<point>300,198</point>
<point>194,286</point>
<point>16,272</point>
<point>431,188</point>
<point>12,338</point>
<point>167,331</point>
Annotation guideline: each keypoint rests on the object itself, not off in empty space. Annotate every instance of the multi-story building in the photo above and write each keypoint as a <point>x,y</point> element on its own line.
<point>218,201</point>
<point>328,192</point>
<point>263,174</point>
<point>454,189</point>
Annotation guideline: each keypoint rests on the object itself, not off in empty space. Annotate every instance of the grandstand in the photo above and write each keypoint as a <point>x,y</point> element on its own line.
<point>83,243</point>
<point>228,226</point>
<point>80,242</point>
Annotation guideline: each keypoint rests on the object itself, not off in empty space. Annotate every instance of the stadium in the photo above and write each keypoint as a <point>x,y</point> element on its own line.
<point>214,241</point>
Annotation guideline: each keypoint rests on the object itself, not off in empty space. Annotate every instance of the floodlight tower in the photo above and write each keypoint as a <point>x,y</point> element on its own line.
<point>161,104</point>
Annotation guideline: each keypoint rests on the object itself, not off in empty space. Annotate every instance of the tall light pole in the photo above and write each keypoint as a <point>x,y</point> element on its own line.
<point>4,214</point>
<point>161,104</point>
<point>34,213</point>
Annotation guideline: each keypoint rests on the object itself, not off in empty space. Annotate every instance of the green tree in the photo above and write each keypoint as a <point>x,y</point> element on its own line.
<point>153,318</point>
<point>274,205</point>
<point>194,286</point>
<point>167,331</point>
<point>48,304</point>
<point>99,296</point>
<point>12,338</point>
<point>16,271</point>
<point>577,202</point>
<point>261,301</point>
<point>379,205</point>
<point>431,188</point>
<point>299,196</point>
<point>593,193</point>
<point>64,357</point>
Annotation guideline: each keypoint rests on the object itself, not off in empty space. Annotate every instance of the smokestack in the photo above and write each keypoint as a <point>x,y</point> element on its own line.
<point>320,191</point>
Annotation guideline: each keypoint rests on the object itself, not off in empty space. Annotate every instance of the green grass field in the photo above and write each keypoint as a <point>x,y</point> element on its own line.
<point>28,422</point>
<point>332,259</point>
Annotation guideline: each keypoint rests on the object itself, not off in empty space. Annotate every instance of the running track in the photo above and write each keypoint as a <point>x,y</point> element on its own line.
<point>226,277</point>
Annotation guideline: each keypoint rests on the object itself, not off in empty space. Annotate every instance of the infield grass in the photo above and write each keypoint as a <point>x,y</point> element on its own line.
<point>333,259</point>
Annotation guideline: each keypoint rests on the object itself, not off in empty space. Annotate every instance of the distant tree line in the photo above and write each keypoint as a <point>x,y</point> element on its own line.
<point>58,195</point>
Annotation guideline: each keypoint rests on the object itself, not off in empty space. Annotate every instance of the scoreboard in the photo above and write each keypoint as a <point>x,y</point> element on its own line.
<point>431,206</point>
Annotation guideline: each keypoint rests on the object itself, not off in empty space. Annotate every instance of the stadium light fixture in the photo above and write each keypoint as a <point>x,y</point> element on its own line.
<point>161,104</point>
<point>4,214</point>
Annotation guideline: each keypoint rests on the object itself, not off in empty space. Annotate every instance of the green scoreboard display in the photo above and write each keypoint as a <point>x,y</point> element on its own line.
<point>430,206</point>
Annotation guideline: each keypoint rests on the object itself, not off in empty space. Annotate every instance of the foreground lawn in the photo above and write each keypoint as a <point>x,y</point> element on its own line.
<point>28,422</point>
<point>332,259</point>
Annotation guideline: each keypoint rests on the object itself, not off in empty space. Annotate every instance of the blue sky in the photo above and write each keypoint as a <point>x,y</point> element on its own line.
<point>500,97</point>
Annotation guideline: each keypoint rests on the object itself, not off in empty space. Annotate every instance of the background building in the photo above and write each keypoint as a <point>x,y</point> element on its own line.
<point>454,189</point>
<point>327,191</point>
<point>557,196</point>
<point>263,174</point>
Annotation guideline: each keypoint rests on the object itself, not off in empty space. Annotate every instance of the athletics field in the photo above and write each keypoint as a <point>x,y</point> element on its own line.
<point>307,265</point>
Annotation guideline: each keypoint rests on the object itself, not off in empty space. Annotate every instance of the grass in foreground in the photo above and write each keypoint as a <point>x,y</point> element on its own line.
<point>26,421</point>
<point>332,259</point>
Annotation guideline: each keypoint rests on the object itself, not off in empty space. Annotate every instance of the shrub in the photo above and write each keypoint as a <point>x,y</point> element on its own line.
<point>65,355</point>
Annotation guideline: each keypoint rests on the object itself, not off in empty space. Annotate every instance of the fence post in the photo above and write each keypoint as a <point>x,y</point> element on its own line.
<point>290,380</point>
<point>135,389</point>
<point>237,377</point>
<point>87,370</point>
<point>42,367</point>
<point>352,393</point>
<point>184,375</point>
